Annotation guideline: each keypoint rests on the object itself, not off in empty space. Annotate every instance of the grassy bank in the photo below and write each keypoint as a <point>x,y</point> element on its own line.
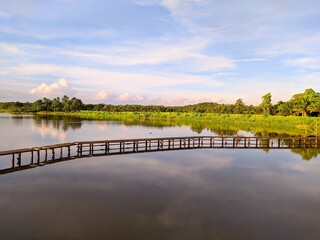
<point>291,125</point>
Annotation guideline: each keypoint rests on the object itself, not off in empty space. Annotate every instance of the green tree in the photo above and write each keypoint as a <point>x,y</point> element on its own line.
<point>305,103</point>
<point>75,104</point>
<point>239,107</point>
<point>314,107</point>
<point>47,104</point>
<point>284,108</point>
<point>17,107</point>
<point>65,104</point>
<point>266,104</point>
<point>37,106</point>
<point>56,104</point>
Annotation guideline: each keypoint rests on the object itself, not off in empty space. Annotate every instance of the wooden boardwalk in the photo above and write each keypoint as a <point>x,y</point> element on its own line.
<point>26,158</point>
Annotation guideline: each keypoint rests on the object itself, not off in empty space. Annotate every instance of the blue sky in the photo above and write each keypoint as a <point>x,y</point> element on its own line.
<point>170,52</point>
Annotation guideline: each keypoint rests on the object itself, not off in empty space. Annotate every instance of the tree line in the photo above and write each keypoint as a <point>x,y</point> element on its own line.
<point>301,104</point>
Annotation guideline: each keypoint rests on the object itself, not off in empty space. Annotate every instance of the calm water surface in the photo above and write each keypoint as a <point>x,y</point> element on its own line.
<point>191,194</point>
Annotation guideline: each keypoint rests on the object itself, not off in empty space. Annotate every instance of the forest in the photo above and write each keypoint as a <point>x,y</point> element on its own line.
<point>306,103</point>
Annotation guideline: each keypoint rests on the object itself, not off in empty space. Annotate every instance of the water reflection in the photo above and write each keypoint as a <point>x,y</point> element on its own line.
<point>308,153</point>
<point>58,123</point>
<point>168,195</point>
<point>195,126</point>
<point>47,125</point>
<point>49,130</point>
<point>20,131</point>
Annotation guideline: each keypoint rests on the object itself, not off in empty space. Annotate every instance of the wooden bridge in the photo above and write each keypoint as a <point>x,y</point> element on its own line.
<point>26,158</point>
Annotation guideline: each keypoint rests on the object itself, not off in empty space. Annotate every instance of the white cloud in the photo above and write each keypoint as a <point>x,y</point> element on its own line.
<point>156,52</point>
<point>9,49</point>
<point>138,98</point>
<point>252,60</point>
<point>58,88</point>
<point>306,62</point>
<point>115,81</point>
<point>311,81</point>
<point>45,34</point>
<point>179,6</point>
<point>205,63</point>
<point>101,95</point>
<point>171,4</point>
<point>293,44</point>
<point>126,97</point>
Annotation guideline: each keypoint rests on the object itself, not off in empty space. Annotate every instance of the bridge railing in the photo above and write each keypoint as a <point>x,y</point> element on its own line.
<point>38,156</point>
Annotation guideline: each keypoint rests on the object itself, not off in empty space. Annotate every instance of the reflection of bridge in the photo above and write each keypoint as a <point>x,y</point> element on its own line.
<point>21,159</point>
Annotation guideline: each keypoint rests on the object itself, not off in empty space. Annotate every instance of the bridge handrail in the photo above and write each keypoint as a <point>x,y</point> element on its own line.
<point>59,145</point>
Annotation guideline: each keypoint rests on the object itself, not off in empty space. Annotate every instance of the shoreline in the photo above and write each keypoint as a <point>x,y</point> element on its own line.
<point>293,125</point>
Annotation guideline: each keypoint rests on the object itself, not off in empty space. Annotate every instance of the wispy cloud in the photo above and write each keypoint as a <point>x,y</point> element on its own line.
<point>59,34</point>
<point>293,44</point>
<point>252,60</point>
<point>159,51</point>
<point>88,77</point>
<point>156,53</point>
<point>8,49</point>
<point>306,62</point>
<point>148,52</point>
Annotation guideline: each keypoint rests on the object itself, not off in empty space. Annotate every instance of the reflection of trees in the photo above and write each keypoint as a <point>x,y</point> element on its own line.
<point>224,131</point>
<point>265,133</point>
<point>307,153</point>
<point>197,127</point>
<point>18,118</point>
<point>63,123</point>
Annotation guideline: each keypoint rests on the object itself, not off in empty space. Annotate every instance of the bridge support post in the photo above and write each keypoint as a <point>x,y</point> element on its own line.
<point>106,148</point>
<point>19,159</point>
<point>31,157</point>
<point>38,156</point>
<point>13,161</point>
<point>46,155</point>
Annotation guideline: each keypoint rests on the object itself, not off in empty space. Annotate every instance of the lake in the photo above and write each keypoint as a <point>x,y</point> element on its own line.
<point>188,194</point>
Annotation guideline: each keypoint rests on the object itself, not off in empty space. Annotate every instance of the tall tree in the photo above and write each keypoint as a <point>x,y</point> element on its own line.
<point>239,107</point>
<point>47,104</point>
<point>75,104</point>
<point>266,104</point>
<point>304,103</point>
<point>56,104</point>
<point>65,103</point>
<point>37,106</point>
<point>284,108</point>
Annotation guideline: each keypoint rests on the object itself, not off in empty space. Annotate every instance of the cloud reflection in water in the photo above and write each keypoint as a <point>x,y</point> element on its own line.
<point>194,194</point>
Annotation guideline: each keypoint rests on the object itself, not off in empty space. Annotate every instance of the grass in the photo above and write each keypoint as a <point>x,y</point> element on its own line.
<point>291,125</point>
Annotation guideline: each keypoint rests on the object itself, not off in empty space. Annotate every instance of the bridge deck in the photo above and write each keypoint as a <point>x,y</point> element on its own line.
<point>37,156</point>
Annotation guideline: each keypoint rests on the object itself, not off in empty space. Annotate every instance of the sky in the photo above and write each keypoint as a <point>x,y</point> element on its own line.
<point>169,52</point>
